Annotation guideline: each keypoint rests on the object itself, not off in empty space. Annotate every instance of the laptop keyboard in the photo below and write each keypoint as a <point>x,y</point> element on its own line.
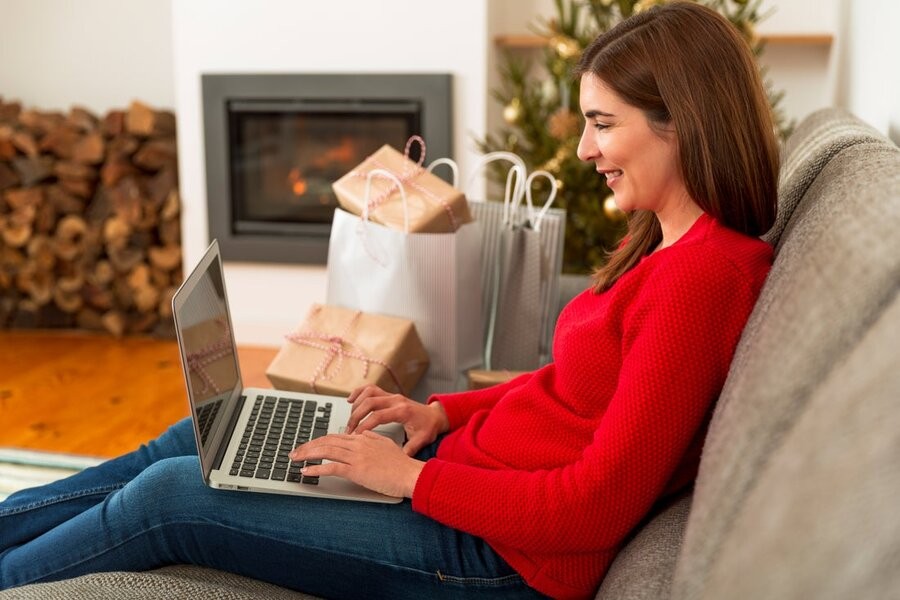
<point>206,416</point>
<point>277,426</point>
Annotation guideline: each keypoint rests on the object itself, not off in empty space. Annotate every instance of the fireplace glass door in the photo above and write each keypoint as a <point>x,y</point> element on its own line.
<point>285,156</point>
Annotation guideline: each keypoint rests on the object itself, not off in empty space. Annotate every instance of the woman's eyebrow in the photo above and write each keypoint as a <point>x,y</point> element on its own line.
<point>597,113</point>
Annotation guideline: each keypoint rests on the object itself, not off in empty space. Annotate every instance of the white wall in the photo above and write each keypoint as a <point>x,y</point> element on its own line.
<point>869,83</point>
<point>350,36</point>
<point>99,54</point>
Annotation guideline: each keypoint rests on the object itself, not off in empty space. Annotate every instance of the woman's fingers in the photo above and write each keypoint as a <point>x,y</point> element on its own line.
<point>415,443</point>
<point>368,459</point>
<point>392,414</point>
<point>321,448</point>
<point>364,391</point>
<point>367,406</point>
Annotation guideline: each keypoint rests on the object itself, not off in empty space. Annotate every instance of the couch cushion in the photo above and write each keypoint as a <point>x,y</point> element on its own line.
<point>644,567</point>
<point>824,518</point>
<point>162,584</point>
<point>820,137</point>
<point>838,267</point>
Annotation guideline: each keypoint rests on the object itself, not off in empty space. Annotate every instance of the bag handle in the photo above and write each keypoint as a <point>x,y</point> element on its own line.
<point>536,219</point>
<point>450,163</point>
<point>515,180</point>
<point>396,183</point>
<point>490,157</point>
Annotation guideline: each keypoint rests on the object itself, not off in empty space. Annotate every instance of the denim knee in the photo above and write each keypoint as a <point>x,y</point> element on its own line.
<point>167,488</point>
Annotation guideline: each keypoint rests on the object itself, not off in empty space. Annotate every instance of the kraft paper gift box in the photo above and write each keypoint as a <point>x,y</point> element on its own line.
<point>336,350</point>
<point>434,205</point>
<point>479,378</point>
<point>208,348</point>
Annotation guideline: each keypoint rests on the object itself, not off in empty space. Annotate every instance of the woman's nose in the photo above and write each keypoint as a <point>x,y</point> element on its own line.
<point>586,148</point>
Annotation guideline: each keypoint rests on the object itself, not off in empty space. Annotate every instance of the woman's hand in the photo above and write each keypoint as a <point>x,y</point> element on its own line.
<point>371,460</point>
<point>372,406</point>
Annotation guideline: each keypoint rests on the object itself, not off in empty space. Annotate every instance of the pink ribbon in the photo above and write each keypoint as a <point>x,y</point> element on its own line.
<point>410,172</point>
<point>197,361</point>
<point>336,346</point>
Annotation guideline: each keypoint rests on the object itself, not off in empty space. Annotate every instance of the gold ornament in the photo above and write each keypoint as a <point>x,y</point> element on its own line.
<point>611,209</point>
<point>512,112</point>
<point>642,5</point>
<point>563,124</point>
<point>565,47</point>
<point>551,165</point>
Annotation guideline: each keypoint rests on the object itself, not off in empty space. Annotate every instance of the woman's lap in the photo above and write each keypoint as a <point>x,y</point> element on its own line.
<point>166,515</point>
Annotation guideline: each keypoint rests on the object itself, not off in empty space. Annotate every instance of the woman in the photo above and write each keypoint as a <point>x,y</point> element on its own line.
<point>527,488</point>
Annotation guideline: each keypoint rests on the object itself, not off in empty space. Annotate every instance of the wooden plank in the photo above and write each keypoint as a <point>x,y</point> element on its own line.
<point>797,39</point>
<point>530,41</point>
<point>95,394</point>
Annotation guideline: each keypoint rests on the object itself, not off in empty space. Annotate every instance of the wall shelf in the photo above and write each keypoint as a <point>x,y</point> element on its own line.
<point>515,41</point>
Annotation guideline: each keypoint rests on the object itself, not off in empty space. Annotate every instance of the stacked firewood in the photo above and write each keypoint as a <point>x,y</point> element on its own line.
<point>89,219</point>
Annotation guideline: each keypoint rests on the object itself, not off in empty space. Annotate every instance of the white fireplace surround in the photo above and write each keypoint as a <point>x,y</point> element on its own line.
<point>282,36</point>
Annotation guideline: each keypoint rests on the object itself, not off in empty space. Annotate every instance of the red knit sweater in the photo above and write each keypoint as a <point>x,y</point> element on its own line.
<point>554,468</point>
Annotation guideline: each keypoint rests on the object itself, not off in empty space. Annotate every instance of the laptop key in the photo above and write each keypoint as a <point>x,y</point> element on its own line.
<point>279,474</point>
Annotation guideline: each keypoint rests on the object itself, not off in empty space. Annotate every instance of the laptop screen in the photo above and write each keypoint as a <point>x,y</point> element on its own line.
<point>206,343</point>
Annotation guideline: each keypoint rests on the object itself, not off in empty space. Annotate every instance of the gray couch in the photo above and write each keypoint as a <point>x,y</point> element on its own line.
<point>798,494</point>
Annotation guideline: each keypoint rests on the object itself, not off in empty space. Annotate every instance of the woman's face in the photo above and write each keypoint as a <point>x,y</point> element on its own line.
<point>639,163</point>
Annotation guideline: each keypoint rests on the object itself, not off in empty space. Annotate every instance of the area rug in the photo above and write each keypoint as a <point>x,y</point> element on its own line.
<point>20,469</point>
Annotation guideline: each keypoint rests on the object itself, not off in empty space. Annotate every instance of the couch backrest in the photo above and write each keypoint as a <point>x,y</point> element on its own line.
<point>837,268</point>
<point>817,139</point>
<point>823,518</point>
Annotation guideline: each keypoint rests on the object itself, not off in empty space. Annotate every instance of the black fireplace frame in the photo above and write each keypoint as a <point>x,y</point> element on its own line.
<point>304,243</point>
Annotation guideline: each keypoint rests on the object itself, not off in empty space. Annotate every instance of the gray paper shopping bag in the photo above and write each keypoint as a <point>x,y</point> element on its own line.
<point>521,263</point>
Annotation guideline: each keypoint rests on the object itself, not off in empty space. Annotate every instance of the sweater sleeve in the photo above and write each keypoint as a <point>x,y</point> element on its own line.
<point>461,406</point>
<point>678,338</point>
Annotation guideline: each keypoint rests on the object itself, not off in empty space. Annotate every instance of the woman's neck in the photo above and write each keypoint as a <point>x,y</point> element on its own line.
<point>675,223</point>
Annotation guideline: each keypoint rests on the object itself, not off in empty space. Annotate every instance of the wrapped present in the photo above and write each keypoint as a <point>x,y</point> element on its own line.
<point>337,350</point>
<point>209,357</point>
<point>479,379</point>
<point>433,205</point>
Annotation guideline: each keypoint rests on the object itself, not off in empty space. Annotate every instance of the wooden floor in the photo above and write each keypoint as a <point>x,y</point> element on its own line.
<point>93,394</point>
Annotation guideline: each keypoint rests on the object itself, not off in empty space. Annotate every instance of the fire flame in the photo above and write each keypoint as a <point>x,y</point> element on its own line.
<point>344,153</point>
<point>298,183</point>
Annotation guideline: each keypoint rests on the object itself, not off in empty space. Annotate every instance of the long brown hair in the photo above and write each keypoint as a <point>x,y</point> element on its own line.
<point>685,66</point>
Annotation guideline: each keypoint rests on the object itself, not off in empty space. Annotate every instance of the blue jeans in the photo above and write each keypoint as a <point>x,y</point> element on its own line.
<point>151,508</point>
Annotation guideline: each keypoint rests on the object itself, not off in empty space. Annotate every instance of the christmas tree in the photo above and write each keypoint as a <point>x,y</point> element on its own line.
<point>543,123</point>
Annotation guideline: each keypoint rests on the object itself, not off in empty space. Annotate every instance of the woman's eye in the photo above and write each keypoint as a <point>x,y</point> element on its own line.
<point>600,126</point>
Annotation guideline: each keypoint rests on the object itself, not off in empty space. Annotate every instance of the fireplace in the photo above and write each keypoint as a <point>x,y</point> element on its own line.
<point>275,143</point>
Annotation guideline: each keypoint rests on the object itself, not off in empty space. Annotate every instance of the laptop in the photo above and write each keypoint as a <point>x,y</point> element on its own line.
<point>245,434</point>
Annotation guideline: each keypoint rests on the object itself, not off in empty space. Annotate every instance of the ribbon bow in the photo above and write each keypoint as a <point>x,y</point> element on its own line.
<point>337,347</point>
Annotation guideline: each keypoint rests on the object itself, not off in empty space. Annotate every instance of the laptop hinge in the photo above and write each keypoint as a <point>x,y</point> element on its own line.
<point>229,431</point>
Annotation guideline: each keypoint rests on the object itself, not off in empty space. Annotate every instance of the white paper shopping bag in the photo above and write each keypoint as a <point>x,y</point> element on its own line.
<point>433,279</point>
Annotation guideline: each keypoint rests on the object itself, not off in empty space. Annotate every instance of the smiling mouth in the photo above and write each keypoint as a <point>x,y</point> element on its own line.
<point>611,174</point>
